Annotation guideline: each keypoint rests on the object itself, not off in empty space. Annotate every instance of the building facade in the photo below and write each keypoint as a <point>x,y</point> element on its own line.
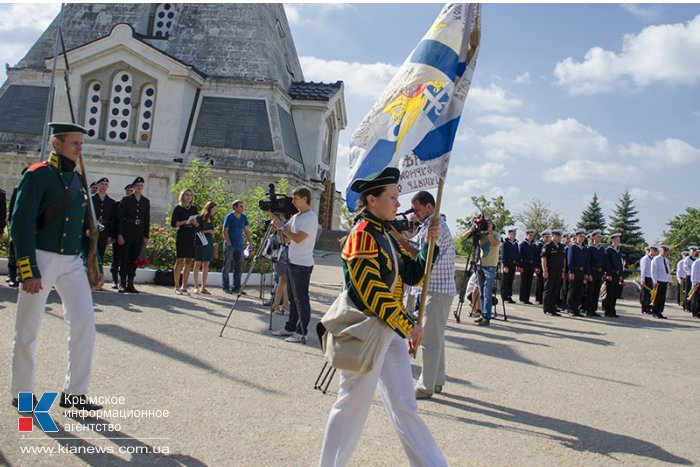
<point>157,85</point>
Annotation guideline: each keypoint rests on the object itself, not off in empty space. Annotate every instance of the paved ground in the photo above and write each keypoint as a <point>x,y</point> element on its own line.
<point>533,391</point>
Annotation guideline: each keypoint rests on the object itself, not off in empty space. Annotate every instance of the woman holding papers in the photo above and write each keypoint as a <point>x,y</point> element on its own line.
<point>185,219</point>
<point>204,249</point>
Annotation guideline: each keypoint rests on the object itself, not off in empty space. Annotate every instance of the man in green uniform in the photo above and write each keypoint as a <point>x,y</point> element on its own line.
<point>49,232</point>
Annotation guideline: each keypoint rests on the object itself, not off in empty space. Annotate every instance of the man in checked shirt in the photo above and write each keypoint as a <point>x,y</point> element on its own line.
<point>441,292</point>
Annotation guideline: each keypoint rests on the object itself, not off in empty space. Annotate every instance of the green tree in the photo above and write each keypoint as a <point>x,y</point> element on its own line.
<point>539,216</point>
<point>684,231</point>
<point>206,187</point>
<point>625,221</point>
<point>494,209</point>
<point>257,217</point>
<point>592,218</point>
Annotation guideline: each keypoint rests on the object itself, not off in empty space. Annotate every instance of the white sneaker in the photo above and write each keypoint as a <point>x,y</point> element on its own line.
<point>178,291</point>
<point>282,332</point>
<point>183,291</point>
<point>296,337</point>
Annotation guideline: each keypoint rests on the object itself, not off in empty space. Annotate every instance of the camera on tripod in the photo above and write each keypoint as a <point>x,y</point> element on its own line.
<point>404,225</point>
<point>481,224</point>
<point>277,204</point>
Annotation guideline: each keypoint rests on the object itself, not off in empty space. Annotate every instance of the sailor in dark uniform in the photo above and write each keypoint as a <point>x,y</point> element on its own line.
<point>552,269</point>
<point>529,261</point>
<point>116,247</point>
<point>511,258</point>
<point>577,265</point>
<point>540,244</point>
<point>104,211</point>
<point>564,287</point>
<point>49,232</point>
<point>93,188</point>
<point>613,271</point>
<point>133,221</point>
<point>595,265</point>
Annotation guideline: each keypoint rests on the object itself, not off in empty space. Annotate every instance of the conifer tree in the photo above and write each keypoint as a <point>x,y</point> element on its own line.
<point>625,221</point>
<point>592,218</point>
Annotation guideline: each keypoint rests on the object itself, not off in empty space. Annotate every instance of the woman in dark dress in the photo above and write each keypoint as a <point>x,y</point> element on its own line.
<point>204,253</point>
<point>185,219</point>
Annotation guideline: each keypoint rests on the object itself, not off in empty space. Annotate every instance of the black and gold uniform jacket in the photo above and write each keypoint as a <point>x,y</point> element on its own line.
<point>366,265</point>
<point>104,212</point>
<point>40,186</point>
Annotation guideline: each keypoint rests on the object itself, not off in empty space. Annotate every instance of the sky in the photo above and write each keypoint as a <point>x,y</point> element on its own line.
<point>566,99</point>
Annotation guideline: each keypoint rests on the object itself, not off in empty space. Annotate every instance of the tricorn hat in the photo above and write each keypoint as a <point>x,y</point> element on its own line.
<point>388,176</point>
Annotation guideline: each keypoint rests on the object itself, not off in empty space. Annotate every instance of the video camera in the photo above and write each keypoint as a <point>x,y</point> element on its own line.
<point>481,223</point>
<point>404,225</point>
<point>277,204</point>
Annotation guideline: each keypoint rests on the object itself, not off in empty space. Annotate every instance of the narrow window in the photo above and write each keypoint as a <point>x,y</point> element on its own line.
<point>93,110</point>
<point>119,118</point>
<point>148,101</point>
<point>163,20</point>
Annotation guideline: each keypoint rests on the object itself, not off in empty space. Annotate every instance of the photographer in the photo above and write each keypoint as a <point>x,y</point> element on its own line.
<point>441,291</point>
<point>301,230</point>
<point>489,261</point>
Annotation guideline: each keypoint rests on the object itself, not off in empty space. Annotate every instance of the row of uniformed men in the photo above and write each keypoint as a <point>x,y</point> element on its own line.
<point>125,225</point>
<point>569,274</point>
<point>688,276</point>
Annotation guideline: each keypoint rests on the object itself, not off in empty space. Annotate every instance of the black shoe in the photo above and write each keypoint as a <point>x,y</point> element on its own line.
<point>527,302</point>
<point>483,322</point>
<point>510,300</point>
<point>131,289</point>
<point>592,314</point>
<point>121,290</point>
<point>78,402</point>
<point>238,292</point>
<point>115,285</point>
<point>12,283</point>
<point>658,316</point>
<point>575,313</point>
<point>552,313</point>
<point>267,303</point>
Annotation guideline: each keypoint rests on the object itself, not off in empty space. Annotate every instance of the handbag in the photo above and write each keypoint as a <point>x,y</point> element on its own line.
<point>353,340</point>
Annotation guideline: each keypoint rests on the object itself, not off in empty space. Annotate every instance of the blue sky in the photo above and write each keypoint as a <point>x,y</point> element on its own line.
<point>567,99</point>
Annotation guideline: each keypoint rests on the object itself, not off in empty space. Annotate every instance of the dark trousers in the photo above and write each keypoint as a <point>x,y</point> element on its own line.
<point>526,284</point>
<point>593,291</point>
<point>12,262</point>
<point>102,245</point>
<point>695,304</point>
<point>645,295</point>
<point>686,290</point>
<point>612,293</point>
<point>574,296</point>
<point>116,261</point>
<point>130,253</point>
<point>660,299</point>
<point>507,283</point>
<point>539,287</point>
<point>563,291</point>
<point>551,289</point>
<point>298,278</point>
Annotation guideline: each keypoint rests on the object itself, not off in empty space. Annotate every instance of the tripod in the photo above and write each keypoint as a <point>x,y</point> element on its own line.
<point>258,253</point>
<point>499,280</point>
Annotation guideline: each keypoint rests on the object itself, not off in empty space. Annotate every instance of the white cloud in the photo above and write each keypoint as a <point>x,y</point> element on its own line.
<point>362,80</point>
<point>666,53</point>
<point>32,16</point>
<point>523,78</point>
<point>525,138</point>
<point>293,14</point>
<point>588,171</point>
<point>671,150</point>
<point>491,99</point>
<point>642,196</point>
<point>643,12</point>
<point>311,15</point>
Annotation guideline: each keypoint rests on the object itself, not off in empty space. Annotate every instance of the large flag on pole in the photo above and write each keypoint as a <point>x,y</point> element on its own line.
<point>413,124</point>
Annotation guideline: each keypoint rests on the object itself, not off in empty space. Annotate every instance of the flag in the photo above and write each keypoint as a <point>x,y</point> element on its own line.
<point>413,124</point>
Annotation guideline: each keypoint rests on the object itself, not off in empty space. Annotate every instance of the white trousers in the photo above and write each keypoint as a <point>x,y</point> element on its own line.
<point>437,311</point>
<point>67,274</point>
<point>347,416</point>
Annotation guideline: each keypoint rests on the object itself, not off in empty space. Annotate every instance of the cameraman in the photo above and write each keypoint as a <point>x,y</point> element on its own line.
<point>489,261</point>
<point>301,230</point>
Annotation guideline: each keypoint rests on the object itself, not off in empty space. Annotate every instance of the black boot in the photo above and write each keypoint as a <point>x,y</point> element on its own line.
<point>130,286</point>
<point>115,281</point>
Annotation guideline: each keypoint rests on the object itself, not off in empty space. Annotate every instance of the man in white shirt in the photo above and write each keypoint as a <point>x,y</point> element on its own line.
<point>301,230</point>
<point>660,276</point>
<point>687,267</point>
<point>681,276</point>
<point>695,280</point>
<point>645,278</point>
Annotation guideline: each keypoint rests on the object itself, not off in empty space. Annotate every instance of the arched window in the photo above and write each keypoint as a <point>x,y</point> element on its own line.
<point>146,107</point>
<point>119,118</point>
<point>163,19</point>
<point>93,110</point>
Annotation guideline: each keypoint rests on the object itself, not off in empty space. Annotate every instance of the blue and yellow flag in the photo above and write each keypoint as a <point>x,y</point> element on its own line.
<point>413,124</point>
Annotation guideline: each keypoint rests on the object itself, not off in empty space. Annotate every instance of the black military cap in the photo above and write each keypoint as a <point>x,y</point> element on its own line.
<point>93,184</point>
<point>103,179</point>
<point>138,180</point>
<point>128,187</point>
<point>62,128</point>
<point>653,247</point>
<point>388,176</point>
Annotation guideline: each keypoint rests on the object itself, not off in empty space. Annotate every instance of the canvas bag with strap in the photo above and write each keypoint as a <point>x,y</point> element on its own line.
<point>353,340</point>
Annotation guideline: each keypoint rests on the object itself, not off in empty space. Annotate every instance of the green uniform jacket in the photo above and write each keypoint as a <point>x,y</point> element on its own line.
<point>365,263</point>
<point>40,186</point>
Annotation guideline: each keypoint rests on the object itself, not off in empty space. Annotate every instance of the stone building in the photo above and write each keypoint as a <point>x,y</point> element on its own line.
<point>157,85</point>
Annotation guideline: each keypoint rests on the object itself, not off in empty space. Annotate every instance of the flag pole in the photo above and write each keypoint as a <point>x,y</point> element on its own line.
<point>429,262</point>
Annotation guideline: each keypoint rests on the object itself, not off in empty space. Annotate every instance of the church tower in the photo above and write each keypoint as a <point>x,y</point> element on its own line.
<point>157,85</point>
